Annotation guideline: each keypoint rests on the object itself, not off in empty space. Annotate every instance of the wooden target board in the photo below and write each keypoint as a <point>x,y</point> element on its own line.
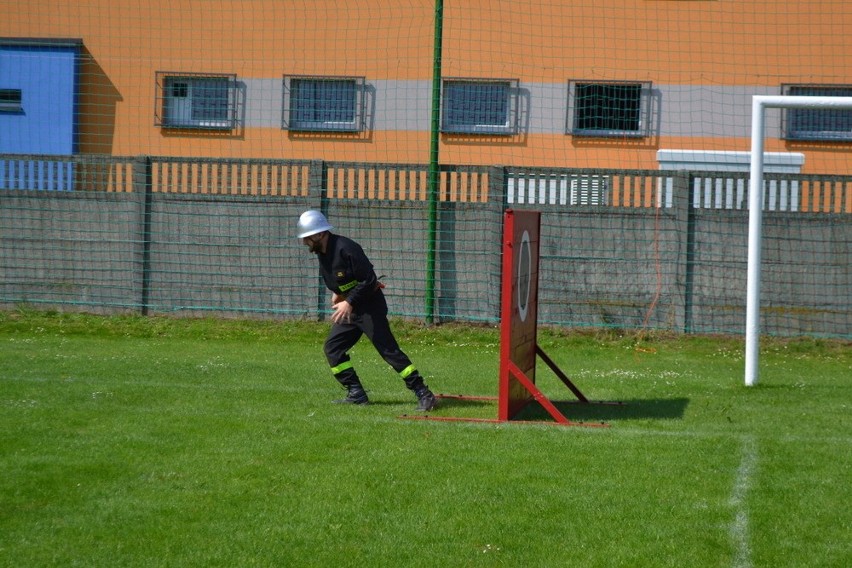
<point>519,310</point>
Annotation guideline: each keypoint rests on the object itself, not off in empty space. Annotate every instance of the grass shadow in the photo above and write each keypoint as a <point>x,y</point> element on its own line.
<point>633,409</point>
<point>462,408</point>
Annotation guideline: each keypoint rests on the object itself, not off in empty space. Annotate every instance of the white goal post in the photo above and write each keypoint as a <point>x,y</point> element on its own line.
<point>755,204</point>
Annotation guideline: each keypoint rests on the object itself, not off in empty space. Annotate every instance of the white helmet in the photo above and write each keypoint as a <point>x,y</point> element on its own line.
<point>311,223</point>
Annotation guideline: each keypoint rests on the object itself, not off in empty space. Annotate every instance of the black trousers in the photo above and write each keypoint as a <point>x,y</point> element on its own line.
<point>374,324</point>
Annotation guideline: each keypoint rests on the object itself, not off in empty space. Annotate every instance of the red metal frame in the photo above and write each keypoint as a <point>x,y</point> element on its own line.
<point>518,329</point>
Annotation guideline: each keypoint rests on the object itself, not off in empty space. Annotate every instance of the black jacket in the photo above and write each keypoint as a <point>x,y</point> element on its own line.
<point>347,271</point>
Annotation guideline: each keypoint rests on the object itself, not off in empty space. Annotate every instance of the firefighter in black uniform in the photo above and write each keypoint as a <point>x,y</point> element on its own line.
<point>359,309</point>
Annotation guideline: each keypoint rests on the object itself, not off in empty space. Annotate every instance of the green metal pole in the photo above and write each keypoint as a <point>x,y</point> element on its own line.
<point>434,178</point>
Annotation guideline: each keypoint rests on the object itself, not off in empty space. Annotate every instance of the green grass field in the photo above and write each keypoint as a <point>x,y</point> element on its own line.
<point>156,442</point>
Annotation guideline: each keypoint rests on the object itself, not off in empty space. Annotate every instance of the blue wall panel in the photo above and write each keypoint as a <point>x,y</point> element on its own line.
<point>46,76</point>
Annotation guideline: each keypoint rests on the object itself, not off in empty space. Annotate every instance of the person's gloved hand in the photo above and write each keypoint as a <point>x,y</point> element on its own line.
<point>342,312</point>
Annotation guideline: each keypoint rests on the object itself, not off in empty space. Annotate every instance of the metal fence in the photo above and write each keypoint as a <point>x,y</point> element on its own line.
<point>633,249</point>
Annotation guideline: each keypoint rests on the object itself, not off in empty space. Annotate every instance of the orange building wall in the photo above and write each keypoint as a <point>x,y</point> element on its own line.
<point>719,42</point>
<point>716,43</point>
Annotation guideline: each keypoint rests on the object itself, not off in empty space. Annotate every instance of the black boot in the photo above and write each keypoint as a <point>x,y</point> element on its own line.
<point>355,395</point>
<point>355,392</point>
<point>426,401</point>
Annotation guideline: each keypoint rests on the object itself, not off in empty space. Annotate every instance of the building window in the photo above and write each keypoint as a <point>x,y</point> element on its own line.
<point>11,100</point>
<point>479,106</point>
<point>608,109</point>
<point>817,123</point>
<point>196,100</point>
<point>334,104</point>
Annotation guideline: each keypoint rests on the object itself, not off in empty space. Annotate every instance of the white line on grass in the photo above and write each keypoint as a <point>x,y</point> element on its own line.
<point>740,526</point>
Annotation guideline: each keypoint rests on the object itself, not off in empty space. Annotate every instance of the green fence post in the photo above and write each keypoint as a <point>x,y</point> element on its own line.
<point>498,202</point>
<point>144,192</point>
<point>318,199</point>
<point>434,178</point>
<point>682,202</point>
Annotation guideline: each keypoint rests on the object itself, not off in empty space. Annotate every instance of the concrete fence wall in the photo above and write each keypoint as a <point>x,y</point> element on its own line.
<point>131,245</point>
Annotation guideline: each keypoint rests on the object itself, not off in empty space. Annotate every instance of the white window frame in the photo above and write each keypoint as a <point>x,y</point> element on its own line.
<point>310,108</point>
<point>792,117</point>
<point>479,108</point>
<point>11,103</point>
<point>179,96</point>
<point>575,117</point>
